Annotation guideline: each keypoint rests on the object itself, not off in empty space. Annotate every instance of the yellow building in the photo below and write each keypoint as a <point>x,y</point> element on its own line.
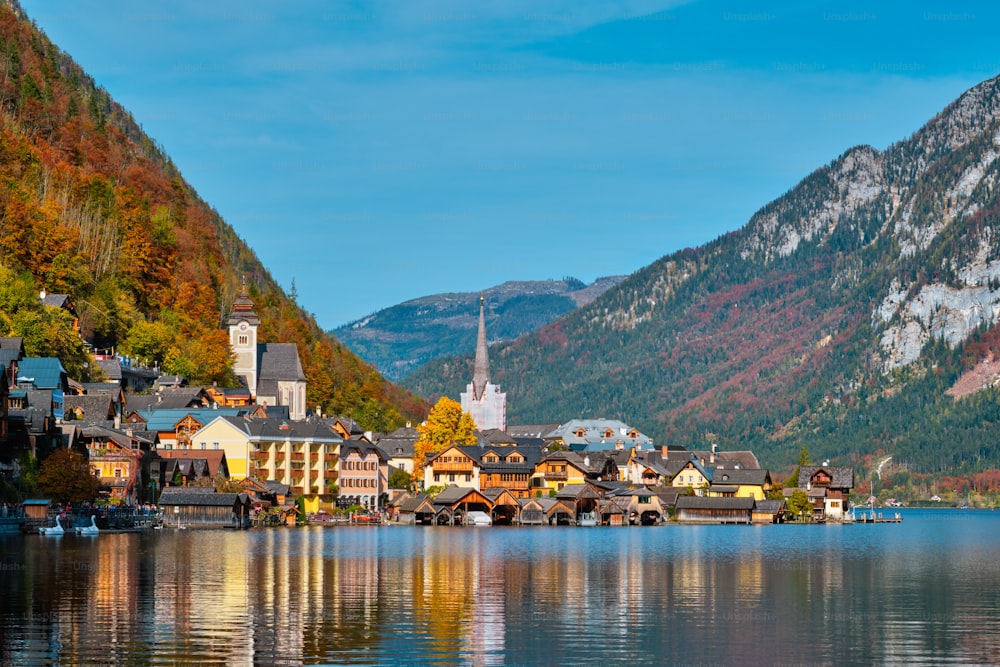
<point>301,454</point>
<point>692,475</point>
<point>739,483</point>
<point>560,469</point>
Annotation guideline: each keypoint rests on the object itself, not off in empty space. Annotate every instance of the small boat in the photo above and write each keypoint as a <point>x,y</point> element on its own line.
<point>53,531</point>
<point>92,529</point>
<point>587,519</point>
<point>475,518</point>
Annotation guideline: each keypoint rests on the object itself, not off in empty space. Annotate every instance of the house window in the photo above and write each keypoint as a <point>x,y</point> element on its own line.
<point>118,472</point>
<point>451,477</point>
<point>244,339</point>
<point>215,445</point>
<point>437,477</point>
<point>204,445</point>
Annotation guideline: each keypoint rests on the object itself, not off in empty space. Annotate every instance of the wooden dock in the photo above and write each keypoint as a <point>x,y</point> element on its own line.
<point>878,517</point>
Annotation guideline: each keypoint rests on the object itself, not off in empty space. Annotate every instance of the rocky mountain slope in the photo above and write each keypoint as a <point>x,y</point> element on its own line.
<point>838,317</point>
<point>400,339</point>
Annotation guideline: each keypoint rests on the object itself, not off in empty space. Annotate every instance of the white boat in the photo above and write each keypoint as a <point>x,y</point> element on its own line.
<point>478,519</point>
<point>53,531</point>
<point>587,519</point>
<point>92,529</point>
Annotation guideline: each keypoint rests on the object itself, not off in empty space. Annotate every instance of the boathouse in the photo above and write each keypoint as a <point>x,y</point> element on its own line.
<point>186,506</point>
<point>696,509</point>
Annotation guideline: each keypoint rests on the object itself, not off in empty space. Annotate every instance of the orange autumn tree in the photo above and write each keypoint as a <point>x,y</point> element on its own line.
<point>446,424</point>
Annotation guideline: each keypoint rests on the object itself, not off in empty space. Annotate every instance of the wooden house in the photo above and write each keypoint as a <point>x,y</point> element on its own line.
<point>829,487</point>
<point>510,467</point>
<point>768,511</point>
<point>455,465</point>
<point>115,458</point>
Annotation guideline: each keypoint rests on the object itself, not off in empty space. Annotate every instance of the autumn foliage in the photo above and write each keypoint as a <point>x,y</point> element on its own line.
<point>447,424</point>
<point>92,207</point>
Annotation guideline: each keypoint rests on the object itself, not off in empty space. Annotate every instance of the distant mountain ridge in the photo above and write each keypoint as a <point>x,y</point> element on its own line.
<point>399,339</point>
<point>839,317</point>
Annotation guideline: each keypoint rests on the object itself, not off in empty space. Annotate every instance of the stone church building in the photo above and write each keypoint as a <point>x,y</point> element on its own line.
<point>271,371</point>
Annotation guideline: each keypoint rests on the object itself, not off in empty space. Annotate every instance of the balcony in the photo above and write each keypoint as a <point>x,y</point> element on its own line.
<point>258,456</point>
<point>332,458</point>
<point>314,457</point>
<point>279,457</point>
<point>556,476</point>
<point>464,467</point>
<point>260,473</point>
<point>297,490</point>
<point>298,456</point>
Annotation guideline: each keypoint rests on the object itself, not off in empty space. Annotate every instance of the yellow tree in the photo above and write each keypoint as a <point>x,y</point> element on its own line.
<point>446,424</point>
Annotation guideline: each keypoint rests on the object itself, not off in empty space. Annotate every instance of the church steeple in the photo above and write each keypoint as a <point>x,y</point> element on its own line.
<point>243,322</point>
<point>481,372</point>
<point>481,398</point>
<point>243,310</point>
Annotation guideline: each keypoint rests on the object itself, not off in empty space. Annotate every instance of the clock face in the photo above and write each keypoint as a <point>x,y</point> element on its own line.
<point>243,326</point>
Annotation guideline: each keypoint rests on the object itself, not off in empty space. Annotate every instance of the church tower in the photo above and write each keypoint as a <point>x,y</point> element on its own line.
<point>243,323</point>
<point>481,399</point>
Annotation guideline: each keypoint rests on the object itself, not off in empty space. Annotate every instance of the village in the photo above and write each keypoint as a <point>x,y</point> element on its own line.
<point>256,456</point>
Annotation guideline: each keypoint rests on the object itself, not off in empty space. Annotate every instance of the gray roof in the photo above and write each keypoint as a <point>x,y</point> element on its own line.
<point>201,496</point>
<point>273,428</point>
<point>598,435</point>
<point>415,503</point>
<point>772,506</point>
<point>399,443</point>
<point>12,343</point>
<point>277,362</point>
<point>94,407</point>
<point>755,477</point>
<point>842,476</point>
<point>538,431</point>
<point>56,300</point>
<point>276,487</point>
<point>745,459</point>
<point>453,494</point>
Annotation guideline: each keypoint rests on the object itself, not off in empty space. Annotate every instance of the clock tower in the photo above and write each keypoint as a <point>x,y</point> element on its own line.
<point>243,323</point>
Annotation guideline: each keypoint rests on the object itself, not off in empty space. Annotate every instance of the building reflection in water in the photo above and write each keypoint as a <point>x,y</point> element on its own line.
<point>491,596</point>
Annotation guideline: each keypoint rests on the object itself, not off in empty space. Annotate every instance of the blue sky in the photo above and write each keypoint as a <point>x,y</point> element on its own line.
<point>378,152</point>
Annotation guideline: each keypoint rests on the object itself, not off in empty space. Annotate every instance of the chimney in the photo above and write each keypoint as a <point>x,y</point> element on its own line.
<point>665,452</point>
<point>711,455</point>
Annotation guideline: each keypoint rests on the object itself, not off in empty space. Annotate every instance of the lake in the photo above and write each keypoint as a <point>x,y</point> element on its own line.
<point>923,592</point>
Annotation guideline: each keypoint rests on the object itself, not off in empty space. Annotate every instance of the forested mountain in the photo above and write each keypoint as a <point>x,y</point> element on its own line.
<point>91,207</point>
<point>838,317</point>
<point>399,339</point>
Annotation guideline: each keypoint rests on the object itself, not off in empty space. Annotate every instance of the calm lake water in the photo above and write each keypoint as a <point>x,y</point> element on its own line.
<point>924,592</point>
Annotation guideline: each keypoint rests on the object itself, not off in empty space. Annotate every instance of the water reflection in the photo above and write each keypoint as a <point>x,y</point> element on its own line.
<point>923,592</point>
